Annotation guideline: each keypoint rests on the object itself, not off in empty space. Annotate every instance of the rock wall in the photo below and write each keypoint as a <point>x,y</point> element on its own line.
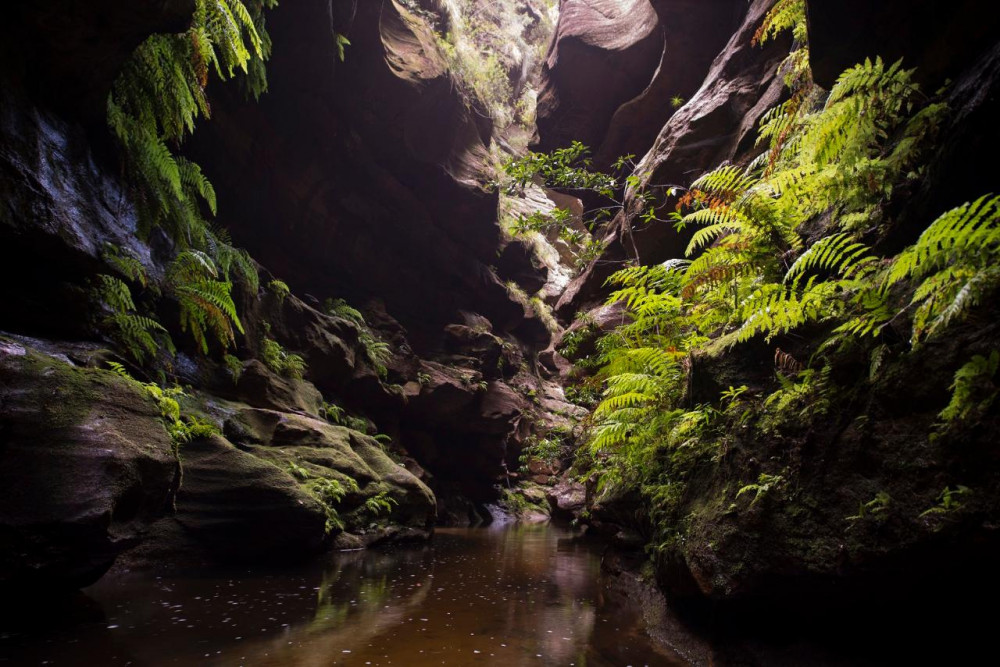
<point>360,179</point>
<point>717,123</point>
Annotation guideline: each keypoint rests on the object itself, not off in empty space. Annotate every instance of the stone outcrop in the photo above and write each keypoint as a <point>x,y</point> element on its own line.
<point>616,72</point>
<point>85,466</point>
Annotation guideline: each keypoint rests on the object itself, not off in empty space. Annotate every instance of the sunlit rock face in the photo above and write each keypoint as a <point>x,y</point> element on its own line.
<point>715,124</point>
<point>603,54</point>
<point>618,69</point>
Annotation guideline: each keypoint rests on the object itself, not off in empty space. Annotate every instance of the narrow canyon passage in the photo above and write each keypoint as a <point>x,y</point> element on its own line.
<point>520,332</point>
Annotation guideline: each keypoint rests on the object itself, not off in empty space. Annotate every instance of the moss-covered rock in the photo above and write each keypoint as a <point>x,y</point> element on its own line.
<point>312,450</point>
<point>85,465</point>
<point>244,507</point>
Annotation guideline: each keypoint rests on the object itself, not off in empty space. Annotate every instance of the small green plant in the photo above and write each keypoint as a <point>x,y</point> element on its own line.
<point>181,429</point>
<point>298,472</point>
<point>949,500</point>
<point>140,336</point>
<point>330,492</point>
<point>332,413</point>
<point>676,102</point>
<point>423,378</point>
<point>191,428</point>
<point>380,504</point>
<point>515,503</point>
<point>764,485</point>
<point>973,390</point>
<point>279,289</point>
<point>378,352</point>
<point>233,366</point>
<point>875,507</point>
<point>206,302</point>
<point>278,359</point>
<point>547,449</point>
<point>359,424</point>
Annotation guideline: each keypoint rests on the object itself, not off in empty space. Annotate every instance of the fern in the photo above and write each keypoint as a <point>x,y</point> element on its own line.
<point>954,261</point>
<point>155,103</point>
<point>784,16</point>
<point>206,303</point>
<point>973,390</point>
<point>141,336</point>
<point>280,360</point>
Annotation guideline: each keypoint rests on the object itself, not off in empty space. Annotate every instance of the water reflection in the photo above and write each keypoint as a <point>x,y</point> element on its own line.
<point>520,595</point>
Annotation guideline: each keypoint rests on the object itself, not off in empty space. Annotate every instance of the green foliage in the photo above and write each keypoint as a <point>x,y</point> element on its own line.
<point>762,487</point>
<point>956,263</point>
<point>949,500</point>
<point>359,424</point>
<point>182,429</point>
<point>153,106</point>
<point>206,302</point>
<point>139,335</point>
<point>333,413</point>
<point>160,94</point>
<point>330,492</point>
<point>876,507</point>
<point>279,289</point>
<point>377,351</point>
<point>570,168</point>
<point>791,240</point>
<point>125,264</point>
<point>234,366</point>
<point>280,360</point>
<point>974,389</point>
<point>379,504</point>
<point>548,450</point>
<point>191,428</point>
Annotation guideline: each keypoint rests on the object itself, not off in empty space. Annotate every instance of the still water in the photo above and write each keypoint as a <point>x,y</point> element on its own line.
<point>513,595</point>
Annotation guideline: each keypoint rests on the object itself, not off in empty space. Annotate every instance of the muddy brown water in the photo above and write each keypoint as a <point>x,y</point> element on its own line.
<point>510,595</point>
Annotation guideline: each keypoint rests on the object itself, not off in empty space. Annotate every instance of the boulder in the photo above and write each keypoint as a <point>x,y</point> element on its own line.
<point>85,466</point>
<point>243,507</point>
<point>325,451</point>
<point>261,387</point>
<point>567,498</point>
